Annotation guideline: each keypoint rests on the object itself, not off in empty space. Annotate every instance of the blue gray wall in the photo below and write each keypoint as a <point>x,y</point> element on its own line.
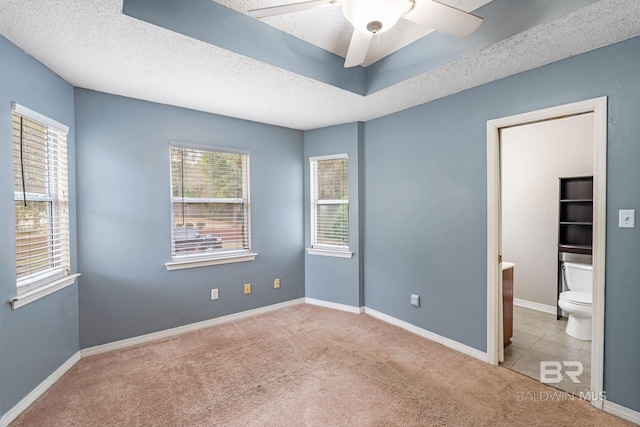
<point>124,218</point>
<point>337,280</point>
<point>426,192</point>
<point>39,337</point>
<point>423,191</point>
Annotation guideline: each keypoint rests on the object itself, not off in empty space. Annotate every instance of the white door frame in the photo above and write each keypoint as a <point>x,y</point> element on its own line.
<point>598,106</point>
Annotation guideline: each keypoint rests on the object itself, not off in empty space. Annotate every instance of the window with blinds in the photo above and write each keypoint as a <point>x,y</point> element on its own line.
<point>330,202</point>
<point>41,202</point>
<point>210,202</point>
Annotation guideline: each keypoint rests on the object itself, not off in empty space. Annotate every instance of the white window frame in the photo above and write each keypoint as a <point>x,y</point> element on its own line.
<point>325,249</point>
<point>43,283</point>
<point>179,262</point>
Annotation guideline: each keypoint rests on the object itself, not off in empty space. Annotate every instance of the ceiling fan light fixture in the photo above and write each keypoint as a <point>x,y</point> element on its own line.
<point>375,16</point>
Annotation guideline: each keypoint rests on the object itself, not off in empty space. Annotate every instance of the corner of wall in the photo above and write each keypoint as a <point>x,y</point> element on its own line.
<point>336,280</point>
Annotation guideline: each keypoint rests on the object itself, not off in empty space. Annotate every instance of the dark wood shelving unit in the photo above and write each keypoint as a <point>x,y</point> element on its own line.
<point>575,228</point>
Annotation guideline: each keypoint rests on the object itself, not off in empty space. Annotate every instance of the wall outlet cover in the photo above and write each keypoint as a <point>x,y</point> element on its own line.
<point>247,288</point>
<point>276,283</point>
<point>415,300</point>
<point>214,294</point>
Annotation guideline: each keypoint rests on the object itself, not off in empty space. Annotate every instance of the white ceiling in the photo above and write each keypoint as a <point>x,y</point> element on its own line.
<point>91,44</point>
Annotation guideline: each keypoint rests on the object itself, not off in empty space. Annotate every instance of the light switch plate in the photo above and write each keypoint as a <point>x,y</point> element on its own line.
<point>627,218</point>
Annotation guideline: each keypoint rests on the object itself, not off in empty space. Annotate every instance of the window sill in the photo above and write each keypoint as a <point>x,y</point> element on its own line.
<point>328,252</point>
<point>204,262</point>
<point>42,291</point>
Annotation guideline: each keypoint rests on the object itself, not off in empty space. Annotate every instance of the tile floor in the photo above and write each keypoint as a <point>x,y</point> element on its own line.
<point>539,336</point>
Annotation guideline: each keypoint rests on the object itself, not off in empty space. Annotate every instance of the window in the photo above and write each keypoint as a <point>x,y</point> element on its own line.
<point>210,205</point>
<point>41,203</point>
<point>329,203</point>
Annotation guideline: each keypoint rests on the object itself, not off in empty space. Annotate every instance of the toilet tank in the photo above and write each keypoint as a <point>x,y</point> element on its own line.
<point>578,277</point>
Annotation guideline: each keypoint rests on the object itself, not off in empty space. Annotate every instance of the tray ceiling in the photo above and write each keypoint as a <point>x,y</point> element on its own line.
<point>92,44</point>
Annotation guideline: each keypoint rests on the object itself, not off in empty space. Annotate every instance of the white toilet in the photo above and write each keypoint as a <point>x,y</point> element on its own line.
<point>577,300</point>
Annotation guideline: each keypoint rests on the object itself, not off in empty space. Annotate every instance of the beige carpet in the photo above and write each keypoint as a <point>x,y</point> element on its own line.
<point>300,366</point>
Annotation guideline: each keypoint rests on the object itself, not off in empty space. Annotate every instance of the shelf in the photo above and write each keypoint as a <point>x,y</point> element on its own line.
<point>578,213</point>
<point>576,188</point>
<point>575,223</point>
<point>575,217</point>
<point>570,246</point>
<point>576,249</point>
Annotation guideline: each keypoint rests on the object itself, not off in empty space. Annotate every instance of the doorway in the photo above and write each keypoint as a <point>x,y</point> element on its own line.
<point>494,227</point>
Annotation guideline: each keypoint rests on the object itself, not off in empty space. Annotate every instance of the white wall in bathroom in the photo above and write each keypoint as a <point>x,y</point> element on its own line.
<point>533,157</point>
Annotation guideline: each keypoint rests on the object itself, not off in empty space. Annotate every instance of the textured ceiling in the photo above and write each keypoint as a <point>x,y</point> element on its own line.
<point>91,44</point>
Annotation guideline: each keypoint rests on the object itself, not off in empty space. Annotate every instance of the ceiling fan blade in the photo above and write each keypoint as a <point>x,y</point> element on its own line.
<point>358,48</point>
<point>290,8</point>
<point>443,18</point>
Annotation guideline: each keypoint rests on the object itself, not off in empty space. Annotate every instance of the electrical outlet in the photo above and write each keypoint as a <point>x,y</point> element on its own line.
<point>214,294</point>
<point>276,283</point>
<point>247,288</point>
<point>415,300</point>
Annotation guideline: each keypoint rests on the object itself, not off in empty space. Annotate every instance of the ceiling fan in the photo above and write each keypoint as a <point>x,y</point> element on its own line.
<point>373,17</point>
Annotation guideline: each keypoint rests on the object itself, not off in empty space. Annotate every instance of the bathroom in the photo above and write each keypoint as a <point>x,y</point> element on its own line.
<point>546,208</point>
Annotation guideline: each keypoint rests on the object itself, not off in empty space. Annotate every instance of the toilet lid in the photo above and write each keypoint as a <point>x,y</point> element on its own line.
<point>576,297</point>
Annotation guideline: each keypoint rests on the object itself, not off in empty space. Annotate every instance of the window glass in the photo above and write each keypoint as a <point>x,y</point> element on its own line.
<point>41,203</point>
<point>330,202</point>
<point>210,202</point>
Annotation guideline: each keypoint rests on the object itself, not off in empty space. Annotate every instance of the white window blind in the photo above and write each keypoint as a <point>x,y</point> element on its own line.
<point>210,202</point>
<point>330,202</point>
<point>41,201</point>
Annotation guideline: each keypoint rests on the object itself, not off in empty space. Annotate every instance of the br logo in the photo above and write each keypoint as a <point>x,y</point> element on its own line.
<point>551,371</point>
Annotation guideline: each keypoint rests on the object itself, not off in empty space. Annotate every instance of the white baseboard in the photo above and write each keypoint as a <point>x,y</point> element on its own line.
<point>621,411</point>
<point>535,306</point>
<point>13,413</point>
<point>116,345</point>
<point>335,305</point>
<point>455,345</point>
<point>470,351</point>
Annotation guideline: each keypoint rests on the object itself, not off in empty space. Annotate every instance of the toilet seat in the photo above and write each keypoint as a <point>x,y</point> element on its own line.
<point>577,298</point>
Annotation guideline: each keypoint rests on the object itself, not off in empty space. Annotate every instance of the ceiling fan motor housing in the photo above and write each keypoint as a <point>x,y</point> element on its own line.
<point>375,16</point>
